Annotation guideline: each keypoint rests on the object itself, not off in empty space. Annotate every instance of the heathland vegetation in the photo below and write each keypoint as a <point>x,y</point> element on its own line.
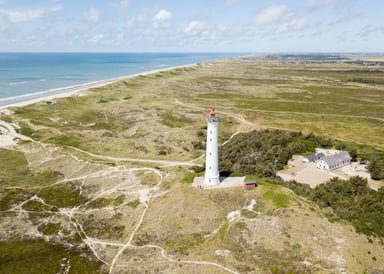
<point>263,152</point>
<point>102,175</point>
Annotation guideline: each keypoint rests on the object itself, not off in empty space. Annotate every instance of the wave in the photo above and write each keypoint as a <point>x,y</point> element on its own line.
<point>17,83</point>
<point>26,82</point>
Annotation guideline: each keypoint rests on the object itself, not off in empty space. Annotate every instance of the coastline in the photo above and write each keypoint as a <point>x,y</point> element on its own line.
<point>28,99</point>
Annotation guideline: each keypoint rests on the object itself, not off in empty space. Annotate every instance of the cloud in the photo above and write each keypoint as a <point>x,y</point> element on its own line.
<point>122,5</point>
<point>317,4</point>
<point>196,27</point>
<point>92,15</point>
<point>163,15</point>
<point>96,38</point>
<point>293,25</point>
<point>140,19</point>
<point>369,30</point>
<point>162,18</point>
<point>271,15</point>
<point>16,16</point>
<point>344,18</point>
<point>4,20</point>
<point>230,2</point>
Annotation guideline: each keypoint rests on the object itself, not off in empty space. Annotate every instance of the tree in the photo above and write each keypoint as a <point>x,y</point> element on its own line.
<point>376,168</point>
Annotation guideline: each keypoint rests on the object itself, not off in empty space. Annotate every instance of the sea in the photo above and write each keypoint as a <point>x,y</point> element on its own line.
<point>26,76</point>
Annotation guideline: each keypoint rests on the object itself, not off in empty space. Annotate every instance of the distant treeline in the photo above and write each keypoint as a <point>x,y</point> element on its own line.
<point>315,56</point>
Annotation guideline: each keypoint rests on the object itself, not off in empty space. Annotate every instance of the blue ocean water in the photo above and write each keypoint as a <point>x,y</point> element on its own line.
<point>30,73</point>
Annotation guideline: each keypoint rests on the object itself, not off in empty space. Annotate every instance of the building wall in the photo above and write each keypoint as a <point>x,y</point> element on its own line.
<point>324,165</point>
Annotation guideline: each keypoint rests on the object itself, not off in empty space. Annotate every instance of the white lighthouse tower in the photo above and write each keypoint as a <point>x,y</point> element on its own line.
<point>212,151</point>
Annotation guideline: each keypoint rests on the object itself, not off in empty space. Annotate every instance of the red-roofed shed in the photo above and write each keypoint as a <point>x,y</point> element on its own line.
<point>250,184</point>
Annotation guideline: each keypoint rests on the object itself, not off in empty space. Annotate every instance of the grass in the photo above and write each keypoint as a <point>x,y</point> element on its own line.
<point>64,140</point>
<point>188,177</point>
<point>63,195</point>
<point>6,118</point>
<point>14,170</point>
<point>273,193</point>
<point>49,228</point>
<point>134,203</point>
<point>278,198</point>
<point>175,121</point>
<point>184,244</point>
<point>37,256</point>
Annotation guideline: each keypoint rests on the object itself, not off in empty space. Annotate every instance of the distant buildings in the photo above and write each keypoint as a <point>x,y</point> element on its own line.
<point>329,162</point>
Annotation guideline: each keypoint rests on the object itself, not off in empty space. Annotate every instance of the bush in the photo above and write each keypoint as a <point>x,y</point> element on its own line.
<point>7,119</point>
<point>256,152</point>
<point>65,140</point>
<point>376,167</point>
<point>351,200</point>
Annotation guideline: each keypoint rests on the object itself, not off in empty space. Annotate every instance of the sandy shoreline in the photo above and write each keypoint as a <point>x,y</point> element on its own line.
<point>32,98</point>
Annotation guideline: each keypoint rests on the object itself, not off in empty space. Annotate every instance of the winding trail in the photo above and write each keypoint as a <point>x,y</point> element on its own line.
<point>145,199</point>
<point>128,243</point>
<point>165,256</point>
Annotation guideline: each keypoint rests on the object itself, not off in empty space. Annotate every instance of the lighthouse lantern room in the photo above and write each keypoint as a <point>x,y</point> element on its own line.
<point>212,152</point>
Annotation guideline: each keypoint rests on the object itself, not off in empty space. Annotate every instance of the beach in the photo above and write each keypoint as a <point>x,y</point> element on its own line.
<point>33,98</point>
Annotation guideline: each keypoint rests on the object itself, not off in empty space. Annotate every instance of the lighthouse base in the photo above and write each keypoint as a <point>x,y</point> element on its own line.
<point>212,181</point>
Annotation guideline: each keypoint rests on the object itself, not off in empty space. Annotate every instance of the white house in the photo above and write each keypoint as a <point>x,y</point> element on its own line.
<point>335,161</point>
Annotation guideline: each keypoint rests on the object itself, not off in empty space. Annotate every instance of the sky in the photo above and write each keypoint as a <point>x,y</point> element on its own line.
<point>255,26</point>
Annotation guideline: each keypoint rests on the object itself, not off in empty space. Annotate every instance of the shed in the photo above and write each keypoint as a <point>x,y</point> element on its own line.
<point>250,184</point>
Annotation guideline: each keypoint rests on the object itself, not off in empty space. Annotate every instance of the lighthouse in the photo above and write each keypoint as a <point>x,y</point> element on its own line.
<point>212,151</point>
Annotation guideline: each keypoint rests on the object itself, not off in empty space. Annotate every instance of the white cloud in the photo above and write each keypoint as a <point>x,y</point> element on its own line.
<point>16,16</point>
<point>92,15</point>
<point>293,25</point>
<point>96,38</point>
<point>163,15</point>
<point>196,27</point>
<point>271,15</point>
<point>162,18</point>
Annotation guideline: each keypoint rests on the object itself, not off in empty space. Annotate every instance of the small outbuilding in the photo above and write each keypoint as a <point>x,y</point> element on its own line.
<point>314,157</point>
<point>250,184</point>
